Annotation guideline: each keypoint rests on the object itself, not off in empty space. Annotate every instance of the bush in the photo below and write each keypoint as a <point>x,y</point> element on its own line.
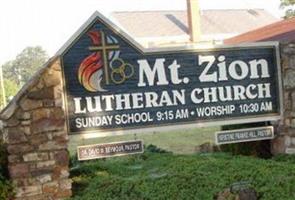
<point>3,160</point>
<point>74,161</point>
<point>261,149</point>
<point>154,149</point>
<point>168,176</point>
<point>6,188</point>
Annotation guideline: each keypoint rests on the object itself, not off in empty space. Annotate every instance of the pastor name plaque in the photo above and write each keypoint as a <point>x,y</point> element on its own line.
<point>244,135</point>
<point>113,85</point>
<point>96,151</point>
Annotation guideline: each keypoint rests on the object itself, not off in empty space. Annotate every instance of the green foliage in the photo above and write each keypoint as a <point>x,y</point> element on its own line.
<point>3,158</point>
<point>18,71</point>
<point>168,176</point>
<point>288,6</point>
<point>6,188</point>
<point>285,3</point>
<point>258,148</point>
<point>74,160</point>
<point>154,149</point>
<point>285,158</point>
<point>11,88</point>
<point>25,65</point>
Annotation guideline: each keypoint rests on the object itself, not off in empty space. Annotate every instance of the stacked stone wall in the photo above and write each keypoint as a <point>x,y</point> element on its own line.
<point>36,138</point>
<point>284,141</point>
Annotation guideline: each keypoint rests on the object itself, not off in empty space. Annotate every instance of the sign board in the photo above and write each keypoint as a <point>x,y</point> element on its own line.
<point>290,150</point>
<point>96,151</point>
<point>244,135</point>
<point>112,84</point>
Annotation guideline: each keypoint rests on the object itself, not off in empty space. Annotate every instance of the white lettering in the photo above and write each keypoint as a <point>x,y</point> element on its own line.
<point>145,69</point>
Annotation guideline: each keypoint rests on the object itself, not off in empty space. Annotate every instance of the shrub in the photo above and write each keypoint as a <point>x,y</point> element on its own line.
<point>154,149</point>
<point>3,159</point>
<point>74,161</point>
<point>6,188</point>
<point>261,149</point>
<point>198,176</point>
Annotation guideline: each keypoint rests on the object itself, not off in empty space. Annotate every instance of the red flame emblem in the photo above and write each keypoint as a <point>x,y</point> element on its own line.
<point>91,68</point>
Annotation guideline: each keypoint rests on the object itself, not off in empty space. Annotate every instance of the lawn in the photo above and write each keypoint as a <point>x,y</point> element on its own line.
<point>180,174</point>
<point>179,142</point>
<point>157,176</point>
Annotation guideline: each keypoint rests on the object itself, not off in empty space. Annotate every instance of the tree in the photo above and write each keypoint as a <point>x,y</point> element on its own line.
<point>288,5</point>
<point>25,65</point>
<point>18,71</point>
<point>11,88</point>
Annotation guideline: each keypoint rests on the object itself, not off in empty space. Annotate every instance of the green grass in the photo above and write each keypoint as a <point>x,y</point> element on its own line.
<point>179,142</point>
<point>155,176</point>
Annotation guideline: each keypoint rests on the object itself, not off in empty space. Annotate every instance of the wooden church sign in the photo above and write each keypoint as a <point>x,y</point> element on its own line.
<point>113,85</point>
